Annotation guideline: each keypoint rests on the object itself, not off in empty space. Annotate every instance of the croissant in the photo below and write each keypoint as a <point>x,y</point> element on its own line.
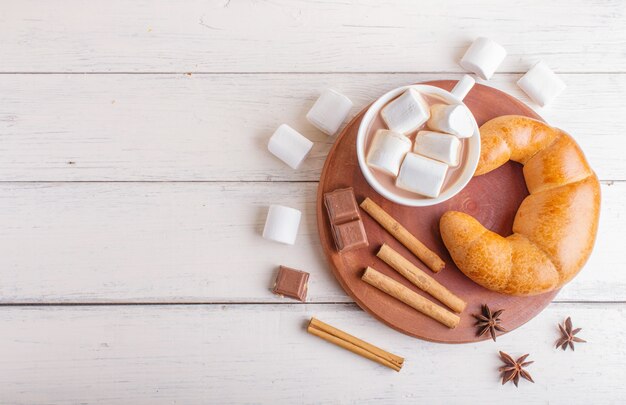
<point>555,226</point>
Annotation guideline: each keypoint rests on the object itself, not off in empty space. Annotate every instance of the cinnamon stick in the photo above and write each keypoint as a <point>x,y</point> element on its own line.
<point>405,237</point>
<point>410,297</point>
<point>355,345</point>
<point>418,277</point>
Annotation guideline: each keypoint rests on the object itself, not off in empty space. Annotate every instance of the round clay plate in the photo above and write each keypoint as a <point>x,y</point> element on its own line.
<point>493,199</point>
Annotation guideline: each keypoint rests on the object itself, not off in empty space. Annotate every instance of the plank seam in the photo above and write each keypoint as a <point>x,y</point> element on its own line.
<point>293,73</point>
<point>219,303</point>
<point>605,182</point>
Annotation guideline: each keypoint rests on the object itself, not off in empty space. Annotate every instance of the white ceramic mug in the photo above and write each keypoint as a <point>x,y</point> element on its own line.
<point>468,165</point>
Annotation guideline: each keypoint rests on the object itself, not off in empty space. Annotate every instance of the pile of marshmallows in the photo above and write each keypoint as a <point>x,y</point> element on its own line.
<point>332,108</point>
<point>424,171</point>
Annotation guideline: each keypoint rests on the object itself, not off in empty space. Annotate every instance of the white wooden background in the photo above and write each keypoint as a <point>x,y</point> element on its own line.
<point>134,183</point>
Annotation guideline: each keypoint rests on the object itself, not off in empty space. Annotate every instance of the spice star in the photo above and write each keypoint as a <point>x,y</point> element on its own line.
<point>514,369</point>
<point>567,335</point>
<point>488,321</point>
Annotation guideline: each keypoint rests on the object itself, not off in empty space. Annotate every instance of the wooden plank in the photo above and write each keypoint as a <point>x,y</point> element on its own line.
<point>198,242</point>
<point>262,354</point>
<point>216,127</point>
<point>287,35</point>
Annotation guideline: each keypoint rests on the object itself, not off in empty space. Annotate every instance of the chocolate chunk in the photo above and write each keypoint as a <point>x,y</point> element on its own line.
<point>291,283</point>
<point>341,206</point>
<point>345,219</point>
<point>350,235</point>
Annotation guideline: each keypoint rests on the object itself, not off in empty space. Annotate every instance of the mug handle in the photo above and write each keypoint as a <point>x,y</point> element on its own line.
<point>463,87</point>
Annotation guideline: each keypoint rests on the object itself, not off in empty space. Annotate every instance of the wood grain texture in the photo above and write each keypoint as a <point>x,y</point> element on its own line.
<point>199,242</point>
<point>216,127</point>
<point>262,354</point>
<point>98,242</point>
<point>305,36</point>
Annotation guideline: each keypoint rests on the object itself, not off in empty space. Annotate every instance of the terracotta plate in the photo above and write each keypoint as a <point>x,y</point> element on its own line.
<point>492,198</point>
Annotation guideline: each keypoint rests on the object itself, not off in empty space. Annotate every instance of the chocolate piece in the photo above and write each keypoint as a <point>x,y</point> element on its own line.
<point>350,235</point>
<point>345,219</point>
<point>291,283</point>
<point>341,205</point>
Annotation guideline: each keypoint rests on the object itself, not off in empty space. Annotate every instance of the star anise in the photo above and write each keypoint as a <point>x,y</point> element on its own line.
<point>488,321</point>
<point>514,369</point>
<point>567,335</point>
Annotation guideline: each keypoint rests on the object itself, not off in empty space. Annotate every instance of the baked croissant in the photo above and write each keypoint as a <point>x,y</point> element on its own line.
<point>555,226</point>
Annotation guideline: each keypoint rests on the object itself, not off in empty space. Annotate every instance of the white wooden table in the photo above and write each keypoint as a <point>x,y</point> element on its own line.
<point>135,181</point>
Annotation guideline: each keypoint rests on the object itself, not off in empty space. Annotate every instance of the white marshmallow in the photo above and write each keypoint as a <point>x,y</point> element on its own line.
<point>289,145</point>
<point>422,175</point>
<point>406,113</point>
<point>455,119</point>
<point>541,84</point>
<point>435,145</point>
<point>483,57</point>
<point>329,111</point>
<point>463,86</point>
<point>282,224</point>
<point>387,151</point>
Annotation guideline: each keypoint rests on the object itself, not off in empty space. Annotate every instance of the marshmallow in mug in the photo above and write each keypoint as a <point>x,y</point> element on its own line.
<point>329,111</point>
<point>387,150</point>
<point>289,145</point>
<point>422,175</point>
<point>406,113</point>
<point>541,84</point>
<point>435,145</point>
<point>455,119</point>
<point>483,57</point>
<point>282,224</point>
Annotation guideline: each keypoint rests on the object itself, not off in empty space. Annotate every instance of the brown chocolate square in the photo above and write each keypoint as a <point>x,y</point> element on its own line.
<point>291,283</point>
<point>341,205</point>
<point>350,235</point>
